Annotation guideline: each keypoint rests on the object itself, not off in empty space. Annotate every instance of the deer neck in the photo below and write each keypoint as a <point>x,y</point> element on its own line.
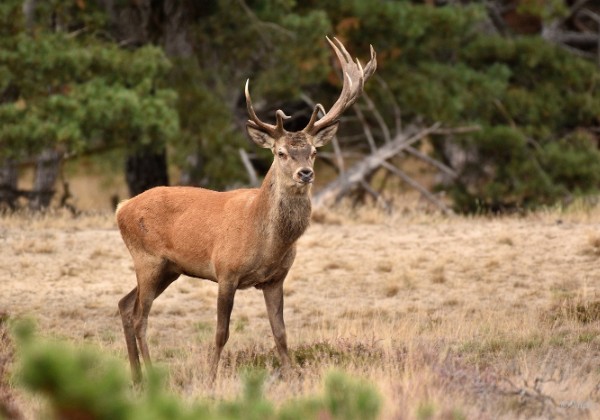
<point>285,209</point>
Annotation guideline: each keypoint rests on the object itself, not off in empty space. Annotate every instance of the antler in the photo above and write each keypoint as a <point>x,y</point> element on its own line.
<point>274,131</point>
<point>354,79</point>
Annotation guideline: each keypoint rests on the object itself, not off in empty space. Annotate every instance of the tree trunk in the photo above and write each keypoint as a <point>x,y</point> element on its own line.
<point>191,174</point>
<point>9,176</point>
<point>146,169</point>
<point>158,22</point>
<point>46,172</point>
<point>48,162</point>
<point>29,12</point>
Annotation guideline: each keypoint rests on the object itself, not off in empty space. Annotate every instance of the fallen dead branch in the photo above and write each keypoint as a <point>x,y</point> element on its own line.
<point>359,173</point>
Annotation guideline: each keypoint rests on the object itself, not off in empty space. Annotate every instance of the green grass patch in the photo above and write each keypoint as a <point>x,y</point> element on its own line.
<point>499,346</point>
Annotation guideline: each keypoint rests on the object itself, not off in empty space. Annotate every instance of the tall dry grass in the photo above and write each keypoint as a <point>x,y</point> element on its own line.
<point>450,317</point>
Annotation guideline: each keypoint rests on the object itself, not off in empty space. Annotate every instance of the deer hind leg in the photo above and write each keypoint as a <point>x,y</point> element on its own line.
<point>153,279</point>
<point>225,299</point>
<point>126,306</point>
<point>273,294</point>
<point>143,305</point>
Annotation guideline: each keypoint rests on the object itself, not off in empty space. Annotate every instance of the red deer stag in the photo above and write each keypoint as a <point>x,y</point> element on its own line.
<point>238,239</point>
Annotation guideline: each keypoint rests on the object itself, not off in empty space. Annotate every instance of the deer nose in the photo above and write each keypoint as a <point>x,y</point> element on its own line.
<point>306,175</point>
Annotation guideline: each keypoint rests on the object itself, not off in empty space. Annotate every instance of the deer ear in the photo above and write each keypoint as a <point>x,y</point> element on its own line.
<point>325,135</point>
<point>260,137</point>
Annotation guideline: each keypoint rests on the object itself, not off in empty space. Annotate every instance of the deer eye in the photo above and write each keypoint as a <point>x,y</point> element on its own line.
<point>282,155</point>
<point>313,154</point>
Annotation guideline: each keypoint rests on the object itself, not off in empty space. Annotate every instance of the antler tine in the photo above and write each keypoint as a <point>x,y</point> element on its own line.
<point>280,116</point>
<point>253,117</point>
<point>315,114</point>
<point>354,78</point>
<point>273,130</point>
<point>371,65</point>
<point>340,50</point>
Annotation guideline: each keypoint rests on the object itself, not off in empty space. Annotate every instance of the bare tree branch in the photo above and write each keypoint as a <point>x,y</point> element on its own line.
<point>253,18</point>
<point>395,106</point>
<point>596,18</point>
<point>434,162</point>
<point>378,198</point>
<point>338,188</point>
<point>495,15</point>
<point>253,178</point>
<point>457,130</point>
<point>339,158</point>
<point>371,107</point>
<point>366,128</point>
<point>573,11</point>
<point>414,184</point>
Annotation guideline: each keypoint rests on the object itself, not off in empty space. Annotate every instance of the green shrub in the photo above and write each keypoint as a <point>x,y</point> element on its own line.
<point>80,383</point>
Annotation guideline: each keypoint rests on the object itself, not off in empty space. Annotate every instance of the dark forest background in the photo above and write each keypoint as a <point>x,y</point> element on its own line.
<point>511,84</point>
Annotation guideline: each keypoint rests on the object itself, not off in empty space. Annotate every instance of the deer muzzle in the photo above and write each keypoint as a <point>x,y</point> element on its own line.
<point>305,175</point>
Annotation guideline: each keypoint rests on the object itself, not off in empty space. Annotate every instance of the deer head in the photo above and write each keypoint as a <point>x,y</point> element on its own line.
<point>295,152</point>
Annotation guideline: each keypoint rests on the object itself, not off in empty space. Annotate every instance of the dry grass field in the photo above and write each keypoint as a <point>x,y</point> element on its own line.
<point>449,317</point>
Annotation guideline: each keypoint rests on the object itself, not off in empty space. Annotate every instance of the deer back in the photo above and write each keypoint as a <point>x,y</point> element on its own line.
<point>192,227</point>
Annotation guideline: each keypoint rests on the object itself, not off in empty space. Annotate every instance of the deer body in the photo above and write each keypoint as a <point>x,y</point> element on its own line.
<point>238,239</point>
<point>250,232</point>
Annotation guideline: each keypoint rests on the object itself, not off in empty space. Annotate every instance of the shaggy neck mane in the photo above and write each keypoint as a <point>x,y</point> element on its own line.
<point>285,209</point>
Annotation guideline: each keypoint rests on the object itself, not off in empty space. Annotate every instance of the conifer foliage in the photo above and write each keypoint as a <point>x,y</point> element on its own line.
<point>537,104</point>
<point>65,85</point>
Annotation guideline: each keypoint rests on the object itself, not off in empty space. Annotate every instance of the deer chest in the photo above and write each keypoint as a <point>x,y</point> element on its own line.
<point>263,274</point>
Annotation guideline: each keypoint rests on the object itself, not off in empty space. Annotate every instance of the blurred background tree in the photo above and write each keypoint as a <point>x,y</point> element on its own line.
<point>68,88</point>
<point>151,76</point>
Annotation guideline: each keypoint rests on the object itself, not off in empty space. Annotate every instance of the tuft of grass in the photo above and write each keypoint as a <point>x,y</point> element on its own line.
<point>438,275</point>
<point>384,267</point>
<point>241,323</point>
<point>72,313</point>
<point>350,399</point>
<point>452,302</point>
<point>176,311</point>
<point>8,402</point>
<point>326,217</point>
<point>587,337</point>
<point>308,354</point>
<point>573,309</point>
<point>408,280</point>
<point>332,265</point>
<point>69,270</point>
<point>339,353</point>
<point>34,246</point>
<point>60,219</point>
<point>391,289</point>
<point>593,245</point>
<point>254,357</point>
<point>101,253</point>
<point>485,349</point>
<point>425,410</point>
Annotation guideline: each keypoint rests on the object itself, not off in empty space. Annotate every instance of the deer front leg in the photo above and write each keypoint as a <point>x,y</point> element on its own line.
<point>273,294</point>
<point>225,299</point>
